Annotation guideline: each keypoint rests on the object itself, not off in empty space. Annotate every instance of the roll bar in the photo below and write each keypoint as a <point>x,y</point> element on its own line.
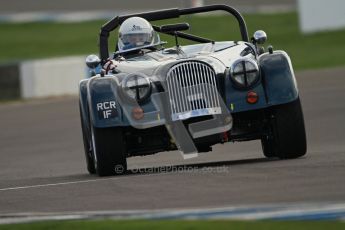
<point>165,14</point>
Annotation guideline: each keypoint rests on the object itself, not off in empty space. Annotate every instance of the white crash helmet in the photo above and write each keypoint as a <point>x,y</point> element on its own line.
<point>136,33</point>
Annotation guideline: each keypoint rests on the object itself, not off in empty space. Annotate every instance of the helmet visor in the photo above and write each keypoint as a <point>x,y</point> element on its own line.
<point>136,40</point>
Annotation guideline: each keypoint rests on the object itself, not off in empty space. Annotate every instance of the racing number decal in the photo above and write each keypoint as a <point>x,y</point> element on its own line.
<point>106,110</point>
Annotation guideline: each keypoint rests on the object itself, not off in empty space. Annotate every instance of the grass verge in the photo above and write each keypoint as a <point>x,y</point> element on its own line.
<point>176,224</point>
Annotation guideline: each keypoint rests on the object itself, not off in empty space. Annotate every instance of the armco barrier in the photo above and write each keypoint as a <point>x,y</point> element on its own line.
<point>9,81</point>
<point>42,78</point>
<point>321,15</point>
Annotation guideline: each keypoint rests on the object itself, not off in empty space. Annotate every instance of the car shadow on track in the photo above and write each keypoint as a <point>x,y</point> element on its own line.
<point>177,168</point>
<point>180,168</point>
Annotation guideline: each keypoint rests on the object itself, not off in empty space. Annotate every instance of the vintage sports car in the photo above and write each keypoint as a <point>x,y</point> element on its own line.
<point>147,99</point>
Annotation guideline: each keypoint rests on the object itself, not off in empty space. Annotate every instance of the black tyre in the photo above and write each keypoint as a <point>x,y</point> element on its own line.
<point>108,151</point>
<point>288,138</point>
<point>87,144</point>
<point>267,147</point>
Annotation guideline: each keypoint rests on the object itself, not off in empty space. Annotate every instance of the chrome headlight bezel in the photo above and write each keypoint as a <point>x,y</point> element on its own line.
<point>133,85</point>
<point>244,73</point>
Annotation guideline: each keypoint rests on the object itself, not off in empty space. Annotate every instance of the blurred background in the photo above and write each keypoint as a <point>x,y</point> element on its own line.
<point>64,6</point>
<point>312,32</point>
<point>43,46</point>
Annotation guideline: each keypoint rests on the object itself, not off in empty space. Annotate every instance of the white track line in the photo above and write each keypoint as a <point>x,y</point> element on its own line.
<point>54,184</point>
<point>72,182</point>
<point>97,180</point>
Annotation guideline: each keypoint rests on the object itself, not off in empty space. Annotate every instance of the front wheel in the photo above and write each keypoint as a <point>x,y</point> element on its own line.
<point>108,151</point>
<point>87,144</point>
<point>287,137</point>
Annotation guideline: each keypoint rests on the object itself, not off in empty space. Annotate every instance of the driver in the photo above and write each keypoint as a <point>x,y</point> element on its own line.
<point>135,34</point>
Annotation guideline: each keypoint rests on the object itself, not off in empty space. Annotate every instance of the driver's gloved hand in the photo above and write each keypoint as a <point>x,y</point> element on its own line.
<point>109,66</point>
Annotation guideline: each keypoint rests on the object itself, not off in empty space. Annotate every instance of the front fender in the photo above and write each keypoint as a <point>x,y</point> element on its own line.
<point>105,110</point>
<point>278,78</point>
<point>83,102</point>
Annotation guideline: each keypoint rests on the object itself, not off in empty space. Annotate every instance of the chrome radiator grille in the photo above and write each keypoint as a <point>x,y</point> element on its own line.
<point>192,90</point>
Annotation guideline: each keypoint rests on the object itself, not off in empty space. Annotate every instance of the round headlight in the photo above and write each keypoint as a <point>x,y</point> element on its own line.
<point>137,87</point>
<point>245,73</point>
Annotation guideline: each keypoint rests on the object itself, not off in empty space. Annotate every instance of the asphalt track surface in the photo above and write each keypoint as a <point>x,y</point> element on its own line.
<point>42,165</point>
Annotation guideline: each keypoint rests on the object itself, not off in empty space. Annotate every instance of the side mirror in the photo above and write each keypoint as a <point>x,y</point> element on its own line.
<point>92,61</point>
<point>260,37</point>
